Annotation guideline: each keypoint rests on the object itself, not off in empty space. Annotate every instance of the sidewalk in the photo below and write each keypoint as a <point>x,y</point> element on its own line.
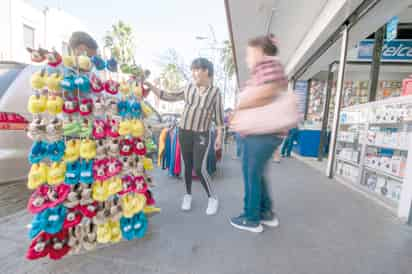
<point>325,228</point>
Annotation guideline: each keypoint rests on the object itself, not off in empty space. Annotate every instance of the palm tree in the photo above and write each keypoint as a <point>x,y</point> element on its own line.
<point>226,57</point>
<point>121,42</point>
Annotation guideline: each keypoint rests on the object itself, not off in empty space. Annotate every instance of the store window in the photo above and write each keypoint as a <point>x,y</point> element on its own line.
<point>28,36</point>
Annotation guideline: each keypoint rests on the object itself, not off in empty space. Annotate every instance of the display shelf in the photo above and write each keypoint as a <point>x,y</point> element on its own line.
<point>364,190</point>
<point>348,161</point>
<point>388,147</point>
<point>384,173</point>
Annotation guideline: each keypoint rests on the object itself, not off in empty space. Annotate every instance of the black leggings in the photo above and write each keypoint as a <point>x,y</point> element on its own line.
<point>195,147</point>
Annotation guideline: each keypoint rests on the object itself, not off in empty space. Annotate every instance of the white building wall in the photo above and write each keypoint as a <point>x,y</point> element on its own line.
<point>51,27</point>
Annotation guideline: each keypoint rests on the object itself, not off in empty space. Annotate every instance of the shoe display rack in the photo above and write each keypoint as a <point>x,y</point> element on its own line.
<point>89,166</point>
<point>372,150</point>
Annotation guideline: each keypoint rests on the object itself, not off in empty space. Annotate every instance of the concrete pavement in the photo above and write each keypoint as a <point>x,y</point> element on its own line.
<point>325,228</point>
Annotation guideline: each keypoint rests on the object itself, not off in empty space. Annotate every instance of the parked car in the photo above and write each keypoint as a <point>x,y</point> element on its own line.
<point>14,144</point>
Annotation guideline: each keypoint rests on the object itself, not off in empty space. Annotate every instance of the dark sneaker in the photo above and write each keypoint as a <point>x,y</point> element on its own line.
<point>269,219</point>
<point>243,224</point>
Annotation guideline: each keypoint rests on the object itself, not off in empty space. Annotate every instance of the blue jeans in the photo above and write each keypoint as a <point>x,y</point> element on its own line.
<point>239,144</point>
<point>257,151</point>
<point>288,144</point>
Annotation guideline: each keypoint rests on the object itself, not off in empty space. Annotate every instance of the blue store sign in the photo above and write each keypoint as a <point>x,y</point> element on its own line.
<point>395,50</point>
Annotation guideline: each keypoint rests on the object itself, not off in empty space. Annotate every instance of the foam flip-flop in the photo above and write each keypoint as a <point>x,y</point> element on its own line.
<point>54,105</point>
<point>98,62</point>
<point>96,84</point>
<point>37,104</point>
<point>39,200</point>
<point>57,195</point>
<point>123,107</point>
<point>99,106</point>
<point>101,149</point>
<point>89,240</point>
<point>72,152</point>
<point>128,185</point>
<point>87,149</point>
<point>72,173</point>
<point>113,148</point>
<point>55,150</point>
<point>82,82</point>
<point>38,152</point>
<point>54,219</point>
<point>126,226</point>
<point>116,211</point>
<point>111,87</point>
<point>53,81</point>
<point>55,129</point>
<point>67,84</point>
<point>115,231</point>
<point>84,63</point>
<point>56,173</point>
<point>141,186</point>
<point>111,106</point>
<point>114,167</point>
<point>100,191</point>
<point>73,198</point>
<point>99,129</point>
<point>139,225</point>
<point>37,175</point>
<point>89,210</point>
<point>102,214</point>
<point>111,65</point>
<point>136,110</point>
<point>139,147</point>
<point>73,218</point>
<point>128,165</point>
<point>104,233</point>
<point>132,204</point>
<point>37,55</point>
<point>124,88</point>
<point>125,127</point>
<point>86,129</point>
<point>86,172</point>
<point>112,129</point>
<point>126,147</point>
<point>37,129</point>
<point>38,80</point>
<point>86,106</point>
<point>137,129</point>
<point>71,105</point>
<point>99,169</point>
<point>86,195</point>
<point>59,245</point>
<point>148,164</point>
<point>39,247</point>
<point>75,238</point>
<point>114,185</point>
<point>71,128</point>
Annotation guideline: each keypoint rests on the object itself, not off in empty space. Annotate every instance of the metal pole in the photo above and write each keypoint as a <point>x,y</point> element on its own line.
<point>376,63</point>
<point>325,119</point>
<point>338,99</point>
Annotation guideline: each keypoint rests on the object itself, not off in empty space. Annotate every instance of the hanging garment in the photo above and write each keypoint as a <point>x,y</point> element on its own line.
<point>174,138</point>
<point>162,146</point>
<point>166,154</point>
<point>178,159</point>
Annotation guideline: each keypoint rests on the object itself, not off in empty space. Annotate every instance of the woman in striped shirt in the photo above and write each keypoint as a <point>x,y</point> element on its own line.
<point>203,105</point>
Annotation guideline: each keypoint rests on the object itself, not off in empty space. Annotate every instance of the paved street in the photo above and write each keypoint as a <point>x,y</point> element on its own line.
<point>325,228</point>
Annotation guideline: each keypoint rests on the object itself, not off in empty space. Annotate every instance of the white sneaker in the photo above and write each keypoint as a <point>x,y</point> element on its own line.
<point>212,206</point>
<point>187,202</point>
<point>271,223</point>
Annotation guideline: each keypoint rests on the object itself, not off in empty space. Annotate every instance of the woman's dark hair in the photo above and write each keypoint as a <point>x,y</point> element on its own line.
<point>82,38</point>
<point>204,64</point>
<point>267,43</point>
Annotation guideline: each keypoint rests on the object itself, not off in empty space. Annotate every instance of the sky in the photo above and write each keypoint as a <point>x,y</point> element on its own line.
<point>158,24</point>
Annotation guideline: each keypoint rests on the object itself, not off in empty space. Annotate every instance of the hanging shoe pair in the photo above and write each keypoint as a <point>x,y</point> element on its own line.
<point>55,246</point>
<point>132,203</point>
<point>41,150</point>
<point>81,62</point>
<point>134,227</point>
<point>109,232</point>
<point>79,172</point>
<point>40,103</point>
<point>100,64</point>
<point>49,220</point>
<point>47,197</point>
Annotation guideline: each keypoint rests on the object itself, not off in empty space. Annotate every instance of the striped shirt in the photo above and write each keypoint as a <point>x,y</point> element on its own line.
<point>201,108</point>
<point>270,70</point>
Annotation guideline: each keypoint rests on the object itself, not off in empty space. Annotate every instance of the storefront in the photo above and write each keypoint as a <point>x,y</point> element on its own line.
<point>358,98</point>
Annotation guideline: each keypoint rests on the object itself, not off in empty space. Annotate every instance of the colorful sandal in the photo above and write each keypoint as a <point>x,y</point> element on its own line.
<point>139,225</point>
<point>39,247</point>
<point>86,172</point>
<point>111,87</point>
<point>113,148</point>
<point>123,108</point>
<point>38,80</point>
<point>136,110</point>
<point>37,104</point>
<point>55,105</point>
<point>100,191</point>
<point>87,149</point>
<point>59,245</point>
<point>115,231</point>
<point>99,129</point>
<point>139,147</point>
<point>56,173</point>
<point>114,167</point>
<point>37,129</point>
<point>71,105</point>
<point>37,175</point>
<point>98,62</point>
<point>137,129</point>
<point>114,186</point>
<point>126,225</point>
<point>38,152</point>
<point>104,233</point>
<point>55,130</point>
<point>54,59</point>
<point>73,218</point>
<point>67,84</point>
<point>96,84</point>
<point>86,107</point>
<point>111,106</point>
<point>72,152</point>
<point>99,169</point>
<point>82,83</point>
<point>72,173</point>
<point>89,236</point>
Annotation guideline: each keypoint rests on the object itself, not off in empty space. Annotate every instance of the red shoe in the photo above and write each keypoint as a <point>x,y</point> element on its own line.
<point>96,83</point>
<point>39,247</point>
<point>59,245</point>
<point>112,129</point>
<point>139,147</point>
<point>73,218</point>
<point>100,169</point>
<point>141,186</point>
<point>61,192</point>
<point>111,87</point>
<point>114,167</point>
<point>39,200</point>
<point>129,185</point>
<point>89,210</point>
<point>126,147</point>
